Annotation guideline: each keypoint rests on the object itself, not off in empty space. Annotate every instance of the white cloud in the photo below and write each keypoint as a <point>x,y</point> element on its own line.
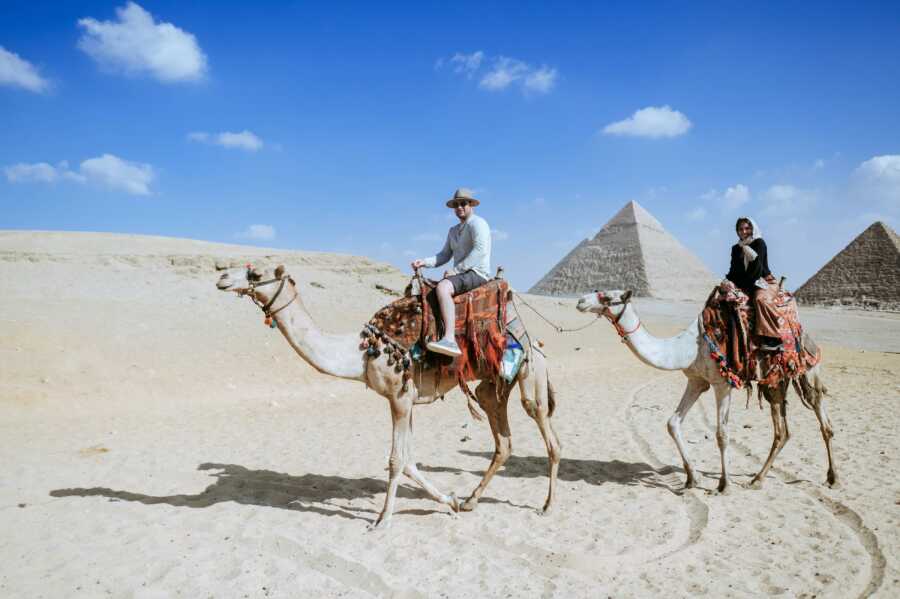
<point>28,173</point>
<point>503,72</point>
<point>466,64</point>
<point>115,173</point>
<point>18,72</point>
<point>698,213</point>
<point>653,122</point>
<point>106,170</point>
<point>733,197</point>
<point>257,232</point>
<point>136,43</point>
<point>878,179</point>
<point>818,164</point>
<point>498,235</point>
<point>786,199</point>
<point>736,196</point>
<point>541,80</point>
<point>243,140</point>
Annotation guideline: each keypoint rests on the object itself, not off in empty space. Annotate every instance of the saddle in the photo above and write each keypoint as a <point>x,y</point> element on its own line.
<point>406,325</point>
<point>728,320</point>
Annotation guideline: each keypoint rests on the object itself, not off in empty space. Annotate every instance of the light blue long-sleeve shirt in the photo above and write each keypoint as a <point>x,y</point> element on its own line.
<point>469,244</point>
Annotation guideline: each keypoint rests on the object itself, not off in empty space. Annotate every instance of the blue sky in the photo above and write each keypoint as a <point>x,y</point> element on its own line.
<point>345,128</point>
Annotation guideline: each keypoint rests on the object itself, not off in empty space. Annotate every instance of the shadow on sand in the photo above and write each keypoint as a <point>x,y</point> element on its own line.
<point>594,472</point>
<point>306,493</point>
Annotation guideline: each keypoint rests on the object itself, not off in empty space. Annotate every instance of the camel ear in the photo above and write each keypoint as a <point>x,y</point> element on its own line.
<point>279,271</point>
<point>626,296</point>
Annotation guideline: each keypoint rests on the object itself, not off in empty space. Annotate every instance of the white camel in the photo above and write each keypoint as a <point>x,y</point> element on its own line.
<point>340,356</point>
<point>688,352</point>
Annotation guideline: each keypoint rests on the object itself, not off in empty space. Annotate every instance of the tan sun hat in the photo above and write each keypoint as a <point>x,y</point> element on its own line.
<point>462,193</point>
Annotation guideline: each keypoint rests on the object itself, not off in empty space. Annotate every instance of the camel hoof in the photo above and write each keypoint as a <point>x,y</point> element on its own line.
<point>469,504</point>
<point>689,484</point>
<point>544,511</point>
<point>723,488</point>
<point>833,482</point>
<point>454,504</point>
<point>755,484</point>
<point>379,525</point>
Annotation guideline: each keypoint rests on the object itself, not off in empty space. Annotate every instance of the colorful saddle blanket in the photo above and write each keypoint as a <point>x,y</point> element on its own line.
<point>408,323</point>
<point>728,322</point>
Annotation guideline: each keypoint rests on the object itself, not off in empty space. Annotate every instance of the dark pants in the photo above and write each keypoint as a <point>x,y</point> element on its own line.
<point>466,281</point>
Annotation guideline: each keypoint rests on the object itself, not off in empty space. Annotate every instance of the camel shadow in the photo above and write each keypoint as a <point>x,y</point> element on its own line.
<point>594,472</point>
<point>266,488</point>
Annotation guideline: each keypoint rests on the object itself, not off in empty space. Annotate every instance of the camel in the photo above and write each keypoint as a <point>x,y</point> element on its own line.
<point>340,356</point>
<point>688,352</point>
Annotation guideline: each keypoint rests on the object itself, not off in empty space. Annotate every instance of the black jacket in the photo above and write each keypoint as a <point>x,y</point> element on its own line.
<point>745,278</point>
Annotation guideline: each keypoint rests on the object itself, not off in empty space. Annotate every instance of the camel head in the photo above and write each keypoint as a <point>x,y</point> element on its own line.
<point>259,283</point>
<point>608,303</point>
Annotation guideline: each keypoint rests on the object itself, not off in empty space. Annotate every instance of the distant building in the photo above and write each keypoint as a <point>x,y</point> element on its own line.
<point>632,251</point>
<point>866,273</point>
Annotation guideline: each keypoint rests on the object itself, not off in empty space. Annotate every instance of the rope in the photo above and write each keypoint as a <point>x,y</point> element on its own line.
<point>558,328</point>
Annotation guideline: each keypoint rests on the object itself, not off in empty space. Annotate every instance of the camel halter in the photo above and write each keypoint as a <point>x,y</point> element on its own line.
<point>267,307</point>
<point>614,320</point>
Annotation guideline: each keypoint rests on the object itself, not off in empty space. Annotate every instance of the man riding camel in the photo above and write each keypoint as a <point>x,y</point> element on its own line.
<point>469,244</point>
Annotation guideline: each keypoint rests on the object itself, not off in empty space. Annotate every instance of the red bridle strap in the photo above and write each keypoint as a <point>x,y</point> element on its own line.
<point>614,320</point>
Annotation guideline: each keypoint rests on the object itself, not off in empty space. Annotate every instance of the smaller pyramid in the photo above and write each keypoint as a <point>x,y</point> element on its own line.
<point>632,251</point>
<point>865,273</point>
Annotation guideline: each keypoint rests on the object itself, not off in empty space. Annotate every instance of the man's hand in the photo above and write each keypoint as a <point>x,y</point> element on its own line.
<point>417,264</point>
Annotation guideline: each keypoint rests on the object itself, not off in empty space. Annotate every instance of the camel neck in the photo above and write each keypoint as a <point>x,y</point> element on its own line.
<point>335,355</point>
<point>672,353</point>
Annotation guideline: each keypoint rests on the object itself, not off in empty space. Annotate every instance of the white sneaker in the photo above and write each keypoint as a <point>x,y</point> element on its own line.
<point>447,348</point>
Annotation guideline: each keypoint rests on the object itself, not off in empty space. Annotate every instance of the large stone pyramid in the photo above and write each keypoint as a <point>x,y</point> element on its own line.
<point>632,251</point>
<point>865,273</point>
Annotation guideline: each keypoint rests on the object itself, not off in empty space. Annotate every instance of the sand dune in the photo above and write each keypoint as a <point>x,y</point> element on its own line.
<point>159,441</point>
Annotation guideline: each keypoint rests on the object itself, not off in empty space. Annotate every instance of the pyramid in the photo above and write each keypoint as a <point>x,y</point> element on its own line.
<point>631,251</point>
<point>865,273</point>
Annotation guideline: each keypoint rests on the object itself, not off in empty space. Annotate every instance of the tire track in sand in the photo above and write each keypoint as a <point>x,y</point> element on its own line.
<point>697,511</point>
<point>840,511</point>
<point>545,562</point>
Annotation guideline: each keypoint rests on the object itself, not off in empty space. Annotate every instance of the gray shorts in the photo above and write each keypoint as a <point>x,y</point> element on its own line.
<point>466,281</point>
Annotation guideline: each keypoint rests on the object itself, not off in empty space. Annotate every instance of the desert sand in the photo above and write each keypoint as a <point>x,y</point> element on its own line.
<point>159,441</point>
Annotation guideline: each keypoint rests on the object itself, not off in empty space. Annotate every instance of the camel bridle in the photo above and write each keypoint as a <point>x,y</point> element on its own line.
<point>252,286</point>
<point>614,319</point>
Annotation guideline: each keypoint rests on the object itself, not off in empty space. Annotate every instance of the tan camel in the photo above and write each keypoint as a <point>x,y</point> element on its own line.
<point>340,356</point>
<point>687,352</point>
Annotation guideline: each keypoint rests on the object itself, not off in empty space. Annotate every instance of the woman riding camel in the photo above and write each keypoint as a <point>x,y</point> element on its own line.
<point>750,273</point>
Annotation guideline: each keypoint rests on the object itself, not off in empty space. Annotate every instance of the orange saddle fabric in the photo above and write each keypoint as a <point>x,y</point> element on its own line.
<point>479,328</point>
<point>728,322</point>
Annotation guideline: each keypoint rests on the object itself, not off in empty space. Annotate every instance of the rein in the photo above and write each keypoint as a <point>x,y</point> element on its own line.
<point>614,320</point>
<point>267,307</point>
<point>558,328</point>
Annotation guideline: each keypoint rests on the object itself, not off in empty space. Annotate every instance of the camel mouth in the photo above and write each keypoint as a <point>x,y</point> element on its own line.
<point>583,306</point>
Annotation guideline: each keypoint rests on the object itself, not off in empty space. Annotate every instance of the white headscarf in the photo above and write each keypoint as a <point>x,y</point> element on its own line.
<point>749,252</point>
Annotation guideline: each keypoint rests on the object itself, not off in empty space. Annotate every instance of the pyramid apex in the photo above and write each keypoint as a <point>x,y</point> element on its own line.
<point>633,213</point>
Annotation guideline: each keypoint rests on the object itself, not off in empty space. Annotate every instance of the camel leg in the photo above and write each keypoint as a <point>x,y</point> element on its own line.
<point>723,410</point>
<point>778,406</point>
<point>535,391</point>
<point>412,471</point>
<point>695,387</point>
<point>495,408</point>
<point>401,414</point>
<point>827,434</point>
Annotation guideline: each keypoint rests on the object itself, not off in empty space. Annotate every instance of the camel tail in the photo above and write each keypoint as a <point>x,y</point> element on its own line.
<point>551,398</point>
